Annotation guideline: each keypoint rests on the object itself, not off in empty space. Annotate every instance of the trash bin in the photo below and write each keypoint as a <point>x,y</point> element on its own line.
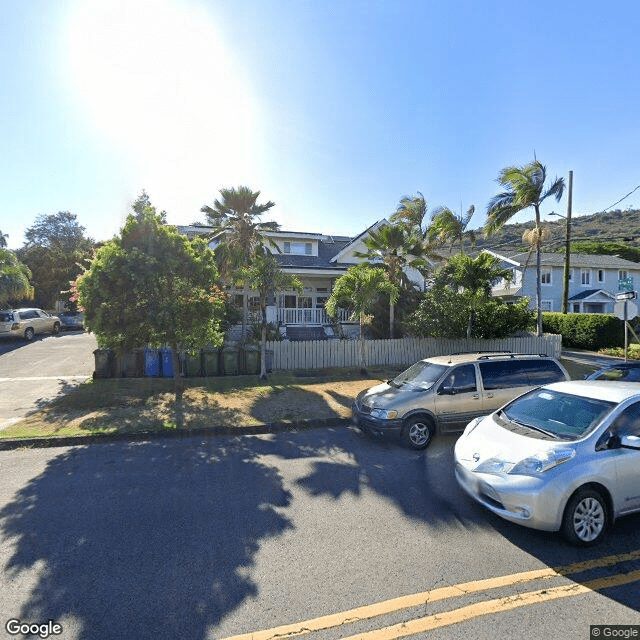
<point>151,362</point>
<point>104,363</point>
<point>230,361</point>
<point>250,357</point>
<point>166,360</point>
<point>192,363</point>
<point>210,361</point>
<point>131,364</point>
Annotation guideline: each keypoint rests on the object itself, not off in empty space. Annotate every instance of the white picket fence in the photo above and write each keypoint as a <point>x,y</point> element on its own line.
<point>323,354</point>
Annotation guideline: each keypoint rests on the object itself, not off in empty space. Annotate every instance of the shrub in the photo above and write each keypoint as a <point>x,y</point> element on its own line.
<point>591,331</point>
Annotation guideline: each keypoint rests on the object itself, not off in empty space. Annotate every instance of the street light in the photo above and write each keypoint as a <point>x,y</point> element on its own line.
<point>567,249</point>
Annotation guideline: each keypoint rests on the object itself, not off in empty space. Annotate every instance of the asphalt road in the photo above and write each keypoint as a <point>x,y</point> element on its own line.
<point>33,373</point>
<point>211,538</point>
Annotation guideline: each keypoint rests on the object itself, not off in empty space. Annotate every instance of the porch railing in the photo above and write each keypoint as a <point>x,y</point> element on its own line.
<point>308,316</point>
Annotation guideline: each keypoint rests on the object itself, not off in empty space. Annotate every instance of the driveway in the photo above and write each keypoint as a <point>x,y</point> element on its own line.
<point>33,373</point>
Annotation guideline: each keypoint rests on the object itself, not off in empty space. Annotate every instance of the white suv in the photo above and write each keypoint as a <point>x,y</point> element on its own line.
<point>26,323</point>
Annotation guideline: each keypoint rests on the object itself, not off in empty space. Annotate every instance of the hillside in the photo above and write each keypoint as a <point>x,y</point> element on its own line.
<point>612,226</point>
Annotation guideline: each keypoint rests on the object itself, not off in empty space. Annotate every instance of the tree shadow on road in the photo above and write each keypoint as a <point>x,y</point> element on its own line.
<point>148,540</point>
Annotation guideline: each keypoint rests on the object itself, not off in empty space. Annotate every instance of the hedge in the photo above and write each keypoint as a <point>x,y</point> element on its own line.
<point>591,331</point>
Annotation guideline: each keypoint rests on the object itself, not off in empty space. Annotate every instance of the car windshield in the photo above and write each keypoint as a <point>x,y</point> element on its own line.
<point>562,415</point>
<point>421,374</point>
<point>629,374</point>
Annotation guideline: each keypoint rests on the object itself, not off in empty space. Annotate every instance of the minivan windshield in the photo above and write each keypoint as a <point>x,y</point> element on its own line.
<point>421,375</point>
<point>561,415</point>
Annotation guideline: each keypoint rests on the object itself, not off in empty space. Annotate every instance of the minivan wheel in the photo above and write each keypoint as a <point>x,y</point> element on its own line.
<point>417,432</point>
<point>56,328</point>
<point>28,334</point>
<point>586,518</point>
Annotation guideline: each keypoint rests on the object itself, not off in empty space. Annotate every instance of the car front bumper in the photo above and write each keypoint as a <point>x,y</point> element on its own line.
<point>373,425</point>
<point>525,500</point>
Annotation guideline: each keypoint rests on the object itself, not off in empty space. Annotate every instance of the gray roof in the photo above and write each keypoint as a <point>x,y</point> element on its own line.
<point>326,251</point>
<point>588,293</point>
<point>576,260</point>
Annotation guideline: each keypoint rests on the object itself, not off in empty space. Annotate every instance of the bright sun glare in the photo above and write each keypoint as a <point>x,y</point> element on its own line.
<point>157,81</point>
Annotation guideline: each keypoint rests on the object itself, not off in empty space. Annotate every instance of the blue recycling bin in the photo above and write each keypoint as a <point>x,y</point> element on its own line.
<point>166,357</point>
<point>151,362</point>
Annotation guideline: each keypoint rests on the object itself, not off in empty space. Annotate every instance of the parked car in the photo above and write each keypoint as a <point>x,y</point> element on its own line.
<point>564,457</point>
<point>627,371</point>
<point>445,392</point>
<point>26,323</point>
<point>71,320</point>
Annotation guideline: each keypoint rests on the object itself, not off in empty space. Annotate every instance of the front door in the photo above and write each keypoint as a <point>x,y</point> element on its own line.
<point>458,399</point>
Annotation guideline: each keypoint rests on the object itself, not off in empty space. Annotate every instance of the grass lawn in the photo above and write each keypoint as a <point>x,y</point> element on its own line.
<point>129,405</point>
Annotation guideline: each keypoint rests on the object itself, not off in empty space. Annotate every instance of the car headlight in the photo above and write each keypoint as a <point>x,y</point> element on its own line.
<point>541,462</point>
<point>383,414</point>
<point>493,465</point>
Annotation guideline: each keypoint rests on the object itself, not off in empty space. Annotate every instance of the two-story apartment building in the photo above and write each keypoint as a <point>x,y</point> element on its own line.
<point>318,260</point>
<point>594,280</point>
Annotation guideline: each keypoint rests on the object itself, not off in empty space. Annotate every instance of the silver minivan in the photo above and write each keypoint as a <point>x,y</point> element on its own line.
<point>444,393</point>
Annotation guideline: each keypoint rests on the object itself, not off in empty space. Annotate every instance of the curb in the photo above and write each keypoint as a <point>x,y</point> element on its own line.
<point>267,428</point>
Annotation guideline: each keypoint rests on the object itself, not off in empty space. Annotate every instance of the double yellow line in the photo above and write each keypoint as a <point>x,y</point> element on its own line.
<point>444,619</point>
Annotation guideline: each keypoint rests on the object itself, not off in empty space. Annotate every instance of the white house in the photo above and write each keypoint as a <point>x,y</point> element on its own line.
<point>318,260</point>
<point>594,280</point>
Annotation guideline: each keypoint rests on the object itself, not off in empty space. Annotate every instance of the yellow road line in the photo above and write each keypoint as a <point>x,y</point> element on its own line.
<point>436,621</point>
<point>405,602</point>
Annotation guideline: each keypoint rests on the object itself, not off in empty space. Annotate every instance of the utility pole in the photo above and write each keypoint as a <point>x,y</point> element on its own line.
<point>567,250</point>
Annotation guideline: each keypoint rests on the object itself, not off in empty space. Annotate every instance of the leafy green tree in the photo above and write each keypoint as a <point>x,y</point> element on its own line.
<point>595,247</point>
<point>55,246</point>
<point>265,276</point>
<point>14,278</point>
<point>443,313</point>
<point>524,188</point>
<point>447,227</point>
<point>474,276</point>
<point>357,291</point>
<point>396,248</point>
<point>142,204</point>
<point>3,239</point>
<point>152,286</point>
<point>239,232</point>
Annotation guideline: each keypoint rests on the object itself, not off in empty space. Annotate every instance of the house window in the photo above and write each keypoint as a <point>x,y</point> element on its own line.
<point>570,275</point>
<point>545,276</point>
<point>546,305</point>
<point>576,307</point>
<point>600,275</point>
<point>320,302</point>
<point>585,276</point>
<point>298,248</point>
<point>622,274</point>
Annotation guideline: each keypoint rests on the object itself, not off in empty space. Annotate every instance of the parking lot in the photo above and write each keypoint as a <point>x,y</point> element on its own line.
<point>32,373</point>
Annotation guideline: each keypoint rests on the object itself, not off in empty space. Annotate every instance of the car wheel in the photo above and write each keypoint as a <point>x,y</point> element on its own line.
<point>417,432</point>
<point>56,328</point>
<point>28,334</point>
<point>586,518</point>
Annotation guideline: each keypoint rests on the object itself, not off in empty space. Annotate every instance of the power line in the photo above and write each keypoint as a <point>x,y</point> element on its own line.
<point>621,199</point>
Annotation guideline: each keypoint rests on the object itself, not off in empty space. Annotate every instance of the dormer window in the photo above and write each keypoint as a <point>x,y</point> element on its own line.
<point>298,248</point>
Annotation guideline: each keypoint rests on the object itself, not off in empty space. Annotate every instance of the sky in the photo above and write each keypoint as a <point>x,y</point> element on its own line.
<point>334,110</point>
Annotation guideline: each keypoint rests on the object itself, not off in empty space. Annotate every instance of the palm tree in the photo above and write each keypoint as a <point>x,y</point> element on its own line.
<point>14,278</point>
<point>524,188</point>
<point>411,212</point>
<point>396,248</point>
<point>235,219</point>
<point>357,290</point>
<point>446,226</point>
<point>475,276</point>
<point>266,277</point>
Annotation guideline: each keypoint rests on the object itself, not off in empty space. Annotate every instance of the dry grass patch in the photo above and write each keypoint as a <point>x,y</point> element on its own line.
<point>130,405</point>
